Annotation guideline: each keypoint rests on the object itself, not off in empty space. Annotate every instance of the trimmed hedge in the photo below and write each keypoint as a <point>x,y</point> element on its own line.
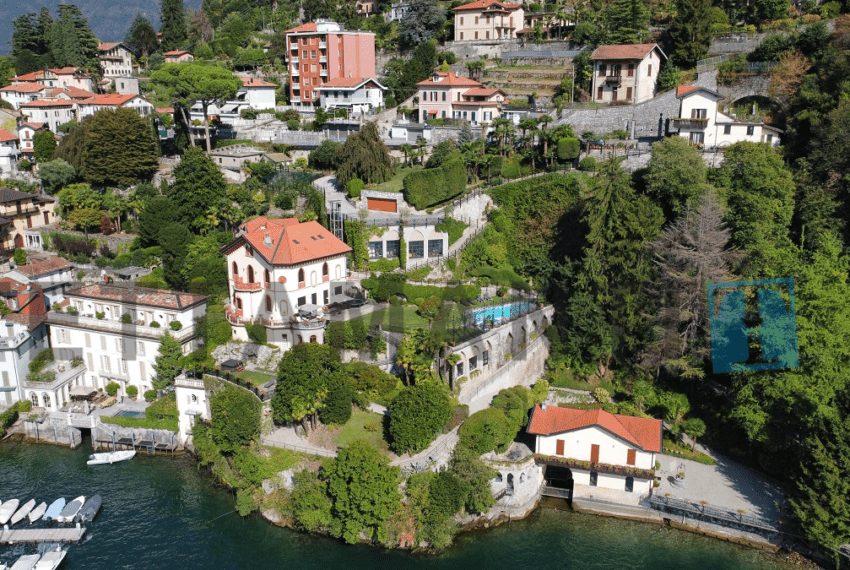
<point>382,289</point>
<point>355,186</point>
<point>383,265</point>
<point>501,276</point>
<point>425,188</point>
<point>257,333</point>
<point>10,416</point>
<point>43,358</point>
<point>452,227</point>
<point>146,423</point>
<point>587,164</point>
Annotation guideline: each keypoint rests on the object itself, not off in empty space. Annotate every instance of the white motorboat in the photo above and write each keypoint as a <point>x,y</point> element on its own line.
<point>26,562</point>
<point>110,457</point>
<point>7,509</point>
<point>22,512</point>
<point>54,509</point>
<point>37,513</point>
<point>71,510</point>
<point>51,559</point>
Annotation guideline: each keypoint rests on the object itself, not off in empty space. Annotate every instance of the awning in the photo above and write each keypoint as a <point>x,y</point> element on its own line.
<point>83,391</point>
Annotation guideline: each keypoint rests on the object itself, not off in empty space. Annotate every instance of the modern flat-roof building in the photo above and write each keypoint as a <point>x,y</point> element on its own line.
<point>322,51</point>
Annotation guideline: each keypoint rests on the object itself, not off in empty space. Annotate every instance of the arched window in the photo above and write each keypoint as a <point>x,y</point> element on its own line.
<point>34,399</point>
<point>235,269</point>
<point>630,484</point>
<point>325,270</point>
<point>301,276</point>
<point>313,339</point>
<point>267,277</point>
<point>268,304</point>
<point>250,274</point>
<point>46,398</point>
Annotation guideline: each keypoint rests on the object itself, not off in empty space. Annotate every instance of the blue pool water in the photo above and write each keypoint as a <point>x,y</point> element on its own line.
<point>129,414</point>
<point>499,312</point>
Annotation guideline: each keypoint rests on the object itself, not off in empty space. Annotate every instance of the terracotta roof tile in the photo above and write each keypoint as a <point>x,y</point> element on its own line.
<point>72,92</point>
<point>24,88</point>
<point>68,70</point>
<point>450,79</point>
<point>481,4</point>
<point>139,296</point>
<point>308,27</point>
<point>44,267</point>
<point>288,242</point>
<point>48,103</point>
<point>177,52</point>
<point>34,126</point>
<point>253,82</point>
<point>6,136</point>
<point>624,51</point>
<point>31,76</point>
<point>482,92</point>
<point>107,46</point>
<point>348,82</point>
<point>116,99</point>
<point>683,89</point>
<point>641,432</point>
<point>32,322</point>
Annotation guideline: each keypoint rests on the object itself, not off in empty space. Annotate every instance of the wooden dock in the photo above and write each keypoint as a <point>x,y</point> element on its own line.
<point>35,535</point>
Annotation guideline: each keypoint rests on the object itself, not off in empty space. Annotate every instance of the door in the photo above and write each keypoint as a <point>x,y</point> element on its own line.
<point>594,453</point>
<point>46,218</point>
<point>29,221</point>
<point>559,447</point>
<point>630,457</point>
<point>19,241</point>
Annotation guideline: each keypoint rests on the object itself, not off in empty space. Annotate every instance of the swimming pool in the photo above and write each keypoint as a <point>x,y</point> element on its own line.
<point>497,313</point>
<point>129,414</point>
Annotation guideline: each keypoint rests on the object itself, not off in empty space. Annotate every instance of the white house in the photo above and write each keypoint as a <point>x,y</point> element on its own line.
<point>51,112</point>
<point>360,94</point>
<point>113,101</point>
<point>53,275</point>
<point>119,348</point>
<point>10,152</point>
<point>610,456</point>
<point>281,274</point>
<point>62,77</point>
<point>192,403</point>
<point>625,73</point>
<point>116,59</point>
<point>257,93</point>
<point>17,95</point>
<point>702,123</point>
<point>25,134</point>
<point>18,346</point>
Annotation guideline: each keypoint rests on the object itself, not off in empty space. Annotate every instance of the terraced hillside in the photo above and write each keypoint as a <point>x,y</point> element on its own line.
<point>520,81</point>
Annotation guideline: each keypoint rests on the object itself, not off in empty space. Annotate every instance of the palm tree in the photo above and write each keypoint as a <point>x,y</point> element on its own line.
<point>407,150</point>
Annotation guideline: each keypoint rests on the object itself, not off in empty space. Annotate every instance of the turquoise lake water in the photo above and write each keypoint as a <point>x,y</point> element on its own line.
<point>162,513</point>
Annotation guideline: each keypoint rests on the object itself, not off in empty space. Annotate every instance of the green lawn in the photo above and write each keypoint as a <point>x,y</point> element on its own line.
<point>355,429</point>
<point>280,460</point>
<point>256,378</point>
<point>406,317</point>
<point>394,184</point>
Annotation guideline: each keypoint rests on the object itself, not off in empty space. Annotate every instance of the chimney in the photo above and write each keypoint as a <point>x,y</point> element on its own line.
<point>267,240</point>
<point>543,407</point>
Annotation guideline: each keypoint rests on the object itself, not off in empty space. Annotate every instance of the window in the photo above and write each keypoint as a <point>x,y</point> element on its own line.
<point>770,138</point>
<point>235,269</point>
<point>238,304</point>
<point>102,342</point>
<point>313,298</point>
<point>266,276</point>
<point>105,360</point>
<point>476,35</point>
<point>487,35</point>
<point>302,301</point>
<point>727,129</point>
<point>630,484</point>
<point>602,70</point>
<point>751,130</point>
<point>325,270</point>
<point>460,369</point>
<point>485,358</point>
<point>250,274</point>
<point>444,95</point>
<point>393,248</point>
<point>119,345</point>
<point>376,249</point>
<point>476,20</point>
<point>594,476</point>
<point>416,249</point>
<point>461,22</point>
<point>697,138</point>
<point>304,54</point>
<point>473,363</point>
<point>461,34</point>
<point>338,290</point>
<point>699,113</point>
<point>123,366</point>
<point>649,74</point>
<point>301,277</point>
<point>326,296</point>
<point>435,248</point>
<point>268,304</point>
<point>312,54</point>
<point>631,70</point>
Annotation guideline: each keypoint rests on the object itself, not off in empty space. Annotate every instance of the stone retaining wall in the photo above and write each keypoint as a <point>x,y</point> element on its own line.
<point>54,432</point>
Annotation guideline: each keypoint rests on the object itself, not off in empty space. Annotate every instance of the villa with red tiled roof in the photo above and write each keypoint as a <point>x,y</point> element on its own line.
<point>625,73</point>
<point>596,453</point>
<point>18,94</point>
<point>57,77</point>
<point>96,103</point>
<point>484,20</point>
<point>446,95</point>
<point>116,59</point>
<point>116,331</point>
<point>283,274</point>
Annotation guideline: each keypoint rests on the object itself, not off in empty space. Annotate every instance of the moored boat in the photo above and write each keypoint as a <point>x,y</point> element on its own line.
<point>54,509</point>
<point>90,509</point>
<point>71,510</point>
<point>51,559</point>
<point>37,512</point>
<point>26,562</point>
<point>22,512</point>
<point>7,509</point>
<point>110,457</point>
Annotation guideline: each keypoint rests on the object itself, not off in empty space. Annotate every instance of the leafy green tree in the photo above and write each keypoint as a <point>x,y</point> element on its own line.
<point>20,257</point>
<point>416,415</point>
<point>694,428</point>
<point>477,475</point>
<point>425,19</point>
<point>690,33</point>
<point>85,218</point>
<point>55,174</point>
<point>311,505</point>
<point>199,187</point>
<point>364,156</point>
<point>173,28</point>
<point>628,21</point>
<point>44,144</point>
<point>235,418</point>
<point>669,77</point>
<point>142,36</point>
<point>364,492</point>
<point>324,156</point>
<point>204,260</point>
<point>676,175</point>
<point>119,148</point>
<point>167,365</point>
<point>485,431</point>
<point>303,377</point>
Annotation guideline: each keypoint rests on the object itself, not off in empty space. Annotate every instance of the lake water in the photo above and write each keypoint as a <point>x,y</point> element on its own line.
<point>161,513</point>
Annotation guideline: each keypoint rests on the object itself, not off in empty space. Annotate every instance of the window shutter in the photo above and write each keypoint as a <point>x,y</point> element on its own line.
<point>630,457</point>
<point>559,447</point>
<point>594,453</point>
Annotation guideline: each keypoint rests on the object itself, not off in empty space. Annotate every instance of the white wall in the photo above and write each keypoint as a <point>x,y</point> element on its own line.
<point>17,349</point>
<point>612,449</point>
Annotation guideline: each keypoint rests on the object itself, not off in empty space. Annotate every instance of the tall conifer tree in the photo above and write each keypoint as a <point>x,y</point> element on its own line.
<point>173,24</point>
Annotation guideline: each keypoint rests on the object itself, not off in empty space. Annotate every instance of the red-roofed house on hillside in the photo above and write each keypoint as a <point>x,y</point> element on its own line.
<point>52,112</point>
<point>599,454</point>
<point>446,95</point>
<point>10,152</point>
<point>25,134</point>
<point>626,73</point>
<point>322,51</point>
<point>488,20</point>
<point>53,275</point>
<point>61,77</point>
<point>113,101</point>
<point>282,274</point>
<point>357,94</point>
<point>122,349</point>
<point>17,95</point>
<point>178,56</point>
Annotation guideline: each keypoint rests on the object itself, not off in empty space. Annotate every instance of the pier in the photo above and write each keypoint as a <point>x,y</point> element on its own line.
<point>36,535</point>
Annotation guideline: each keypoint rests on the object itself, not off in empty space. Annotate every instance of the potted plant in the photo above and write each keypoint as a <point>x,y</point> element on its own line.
<point>132,392</point>
<point>112,388</point>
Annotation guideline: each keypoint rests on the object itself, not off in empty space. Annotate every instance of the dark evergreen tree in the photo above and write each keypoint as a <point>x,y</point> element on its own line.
<point>45,25</point>
<point>628,22</point>
<point>199,187</point>
<point>173,27</point>
<point>364,156</point>
<point>25,34</point>
<point>44,144</point>
<point>142,36</point>
<point>690,33</point>
<point>72,43</point>
<point>119,148</point>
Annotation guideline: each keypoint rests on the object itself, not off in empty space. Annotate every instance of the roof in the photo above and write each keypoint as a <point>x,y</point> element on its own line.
<point>24,88</point>
<point>106,46</point>
<point>688,89</point>
<point>482,4</point>
<point>451,79</point>
<point>32,322</point>
<point>33,126</point>
<point>178,52</point>
<point>625,51</point>
<point>116,99</point>
<point>9,195</point>
<point>44,267</point>
<point>67,70</point>
<point>48,103</point>
<point>308,27</point>
<point>139,296</point>
<point>31,76</point>
<point>165,109</point>
<point>349,82</point>
<point>253,82</point>
<point>72,92</point>
<point>287,242</point>
<point>482,92</point>
<point>6,136</point>
<point>644,433</point>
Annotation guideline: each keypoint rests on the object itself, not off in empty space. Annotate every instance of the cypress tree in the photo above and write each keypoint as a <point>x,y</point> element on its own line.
<point>629,21</point>
<point>690,33</point>
<point>173,27</point>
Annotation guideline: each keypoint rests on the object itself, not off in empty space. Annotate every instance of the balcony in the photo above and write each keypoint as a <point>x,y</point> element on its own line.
<point>307,325</point>
<point>240,285</point>
<point>117,327</point>
<point>323,59</point>
<point>323,45</point>
<point>295,99</point>
<point>614,80</point>
<point>294,72</point>
<point>296,87</point>
<point>624,471</point>
<point>323,73</point>
<point>293,46</point>
<point>690,124</point>
<point>293,60</point>
<point>64,373</point>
